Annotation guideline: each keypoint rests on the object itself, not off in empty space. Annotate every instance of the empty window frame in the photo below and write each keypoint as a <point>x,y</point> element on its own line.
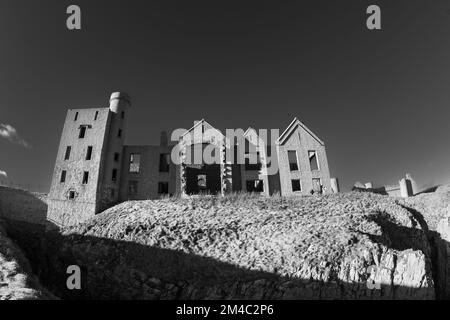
<point>164,162</point>
<point>114,175</point>
<point>135,162</point>
<point>116,157</point>
<point>132,188</point>
<point>96,115</point>
<point>122,114</point>
<point>67,155</point>
<point>89,153</point>
<point>82,132</point>
<point>293,163</point>
<point>71,195</point>
<point>296,185</point>
<point>63,176</point>
<point>163,188</point>
<point>313,161</point>
<point>85,177</point>
<point>255,185</point>
<point>76,116</point>
<point>119,133</point>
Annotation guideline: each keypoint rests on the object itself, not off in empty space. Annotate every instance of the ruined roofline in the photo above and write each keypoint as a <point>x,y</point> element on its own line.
<point>92,108</point>
<point>203,121</point>
<point>193,127</point>
<point>291,127</point>
<point>250,130</point>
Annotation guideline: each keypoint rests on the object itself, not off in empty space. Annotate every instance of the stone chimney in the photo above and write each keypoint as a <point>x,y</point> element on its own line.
<point>414,187</point>
<point>405,188</point>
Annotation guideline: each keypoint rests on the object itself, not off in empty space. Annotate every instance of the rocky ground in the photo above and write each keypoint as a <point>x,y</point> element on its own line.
<point>241,246</point>
<point>344,246</point>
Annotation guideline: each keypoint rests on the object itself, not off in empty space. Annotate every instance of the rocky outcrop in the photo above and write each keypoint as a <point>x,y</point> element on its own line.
<point>433,210</point>
<point>16,279</point>
<point>343,246</point>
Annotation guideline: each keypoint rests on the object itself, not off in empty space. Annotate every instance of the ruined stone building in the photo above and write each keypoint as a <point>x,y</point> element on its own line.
<point>94,168</point>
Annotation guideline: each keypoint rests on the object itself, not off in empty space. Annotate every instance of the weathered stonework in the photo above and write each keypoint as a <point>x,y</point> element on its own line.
<point>75,197</point>
<point>299,138</point>
<point>74,200</point>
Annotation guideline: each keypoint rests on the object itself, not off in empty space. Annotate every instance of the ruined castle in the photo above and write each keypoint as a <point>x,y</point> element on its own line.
<point>94,168</point>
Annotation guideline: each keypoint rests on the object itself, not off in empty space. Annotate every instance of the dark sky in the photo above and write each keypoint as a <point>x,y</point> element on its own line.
<point>379,99</point>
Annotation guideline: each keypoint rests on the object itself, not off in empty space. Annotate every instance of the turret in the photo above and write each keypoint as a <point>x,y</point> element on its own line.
<point>119,101</point>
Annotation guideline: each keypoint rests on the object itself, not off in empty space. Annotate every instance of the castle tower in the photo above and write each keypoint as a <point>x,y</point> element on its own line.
<point>108,191</point>
<point>87,170</point>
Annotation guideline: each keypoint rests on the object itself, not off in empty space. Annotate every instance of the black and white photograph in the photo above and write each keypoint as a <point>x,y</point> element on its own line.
<point>224,156</point>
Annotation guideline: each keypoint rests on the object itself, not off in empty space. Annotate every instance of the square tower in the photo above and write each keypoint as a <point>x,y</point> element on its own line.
<point>86,177</point>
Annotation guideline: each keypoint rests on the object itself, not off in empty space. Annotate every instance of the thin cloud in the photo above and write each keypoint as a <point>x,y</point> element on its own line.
<point>3,174</point>
<point>10,133</point>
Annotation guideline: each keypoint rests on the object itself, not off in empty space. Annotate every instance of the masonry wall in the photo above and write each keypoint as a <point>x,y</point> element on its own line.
<point>109,155</point>
<point>109,189</point>
<point>252,175</point>
<point>302,141</point>
<point>274,183</point>
<point>149,175</point>
<point>393,191</point>
<point>193,144</point>
<point>60,207</point>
